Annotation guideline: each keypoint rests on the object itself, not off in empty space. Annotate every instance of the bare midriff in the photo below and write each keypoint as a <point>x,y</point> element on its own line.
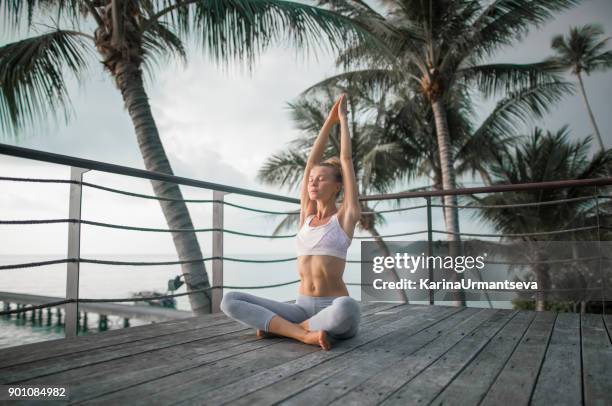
<point>321,275</point>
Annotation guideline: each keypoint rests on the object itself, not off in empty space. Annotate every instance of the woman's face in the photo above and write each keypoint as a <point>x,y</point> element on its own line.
<point>322,184</point>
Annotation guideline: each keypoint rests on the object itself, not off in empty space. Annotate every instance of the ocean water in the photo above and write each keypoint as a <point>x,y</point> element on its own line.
<point>120,281</point>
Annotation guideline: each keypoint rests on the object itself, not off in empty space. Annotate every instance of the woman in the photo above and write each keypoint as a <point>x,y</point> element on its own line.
<point>323,308</point>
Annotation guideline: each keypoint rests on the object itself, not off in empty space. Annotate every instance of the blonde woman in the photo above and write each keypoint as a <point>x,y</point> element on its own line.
<point>323,308</point>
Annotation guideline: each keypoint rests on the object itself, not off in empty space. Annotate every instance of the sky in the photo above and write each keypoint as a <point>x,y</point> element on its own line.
<point>220,127</point>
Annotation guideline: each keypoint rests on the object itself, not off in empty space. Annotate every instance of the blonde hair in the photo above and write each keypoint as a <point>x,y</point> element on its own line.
<point>336,165</point>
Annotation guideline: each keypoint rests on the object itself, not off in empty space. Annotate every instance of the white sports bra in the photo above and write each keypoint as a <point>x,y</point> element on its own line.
<point>326,239</point>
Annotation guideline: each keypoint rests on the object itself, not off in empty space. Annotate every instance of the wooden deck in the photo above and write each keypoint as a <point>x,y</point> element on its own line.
<point>402,355</point>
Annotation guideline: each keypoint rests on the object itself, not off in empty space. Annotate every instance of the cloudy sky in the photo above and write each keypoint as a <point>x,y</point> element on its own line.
<point>220,127</point>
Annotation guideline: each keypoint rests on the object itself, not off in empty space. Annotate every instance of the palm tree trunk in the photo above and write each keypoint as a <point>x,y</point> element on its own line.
<point>448,183</point>
<point>541,273</point>
<point>543,279</point>
<point>437,185</point>
<point>588,106</point>
<point>128,77</point>
<point>372,230</point>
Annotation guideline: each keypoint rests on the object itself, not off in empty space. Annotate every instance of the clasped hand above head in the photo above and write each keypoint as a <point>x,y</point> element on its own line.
<point>338,111</point>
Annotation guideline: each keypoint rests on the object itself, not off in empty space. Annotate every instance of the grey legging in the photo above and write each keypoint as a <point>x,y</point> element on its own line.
<point>339,316</point>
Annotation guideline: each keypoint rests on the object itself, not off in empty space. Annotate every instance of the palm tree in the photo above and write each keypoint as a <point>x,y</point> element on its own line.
<point>474,147</point>
<point>545,156</point>
<point>130,36</point>
<point>583,51</point>
<point>441,45</point>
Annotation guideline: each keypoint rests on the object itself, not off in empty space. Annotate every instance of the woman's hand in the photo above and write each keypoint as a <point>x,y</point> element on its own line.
<point>338,111</point>
<point>332,117</point>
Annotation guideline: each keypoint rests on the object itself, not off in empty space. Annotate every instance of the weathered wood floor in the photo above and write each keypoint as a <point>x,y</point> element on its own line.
<point>403,355</point>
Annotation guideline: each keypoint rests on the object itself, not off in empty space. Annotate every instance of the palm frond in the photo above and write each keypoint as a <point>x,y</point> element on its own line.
<point>505,21</point>
<point>495,79</point>
<point>381,165</point>
<point>18,12</point>
<point>360,53</point>
<point>370,79</point>
<point>159,44</point>
<point>307,116</point>
<point>242,29</point>
<point>516,110</point>
<point>32,82</point>
<point>288,223</point>
<point>284,169</point>
<point>601,62</point>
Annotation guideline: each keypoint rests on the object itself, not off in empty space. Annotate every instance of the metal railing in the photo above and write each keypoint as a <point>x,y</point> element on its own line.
<point>79,166</point>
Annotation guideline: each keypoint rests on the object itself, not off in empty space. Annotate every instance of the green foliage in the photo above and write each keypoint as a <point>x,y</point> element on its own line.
<point>582,50</point>
<point>32,83</point>
<point>540,157</point>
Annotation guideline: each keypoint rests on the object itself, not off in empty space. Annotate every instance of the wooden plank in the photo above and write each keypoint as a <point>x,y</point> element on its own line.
<point>108,344</point>
<point>92,360</point>
<point>235,369</point>
<point>423,387</point>
<point>596,360</point>
<point>560,378</point>
<point>65,346</point>
<point>193,337</point>
<point>124,371</point>
<point>325,382</point>
<point>608,323</point>
<point>515,382</point>
<point>290,374</point>
<point>472,383</point>
<point>62,347</point>
<point>388,380</point>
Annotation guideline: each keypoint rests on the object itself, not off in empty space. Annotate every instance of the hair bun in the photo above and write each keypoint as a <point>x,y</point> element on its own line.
<point>334,160</point>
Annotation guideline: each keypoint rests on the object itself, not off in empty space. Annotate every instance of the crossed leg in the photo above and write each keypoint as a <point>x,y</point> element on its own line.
<point>271,316</point>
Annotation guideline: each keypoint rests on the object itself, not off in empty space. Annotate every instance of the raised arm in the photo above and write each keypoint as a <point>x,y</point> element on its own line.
<point>308,206</point>
<point>351,204</point>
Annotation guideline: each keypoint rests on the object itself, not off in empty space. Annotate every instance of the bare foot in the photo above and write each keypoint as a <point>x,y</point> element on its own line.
<point>317,338</point>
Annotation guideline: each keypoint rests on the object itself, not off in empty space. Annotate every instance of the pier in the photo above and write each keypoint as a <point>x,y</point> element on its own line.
<point>146,312</point>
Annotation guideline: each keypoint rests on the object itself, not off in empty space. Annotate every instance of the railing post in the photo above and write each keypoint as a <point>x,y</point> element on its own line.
<point>217,250</point>
<point>429,247</point>
<point>74,251</point>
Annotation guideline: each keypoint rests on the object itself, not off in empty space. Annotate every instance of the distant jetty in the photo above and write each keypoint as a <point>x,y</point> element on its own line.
<point>146,313</point>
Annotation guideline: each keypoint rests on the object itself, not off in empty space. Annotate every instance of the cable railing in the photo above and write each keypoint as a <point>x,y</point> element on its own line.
<point>79,166</point>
